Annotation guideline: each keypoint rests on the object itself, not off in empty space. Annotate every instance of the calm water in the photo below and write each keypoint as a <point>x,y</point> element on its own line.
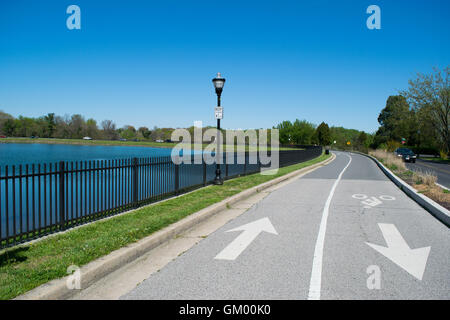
<point>15,154</point>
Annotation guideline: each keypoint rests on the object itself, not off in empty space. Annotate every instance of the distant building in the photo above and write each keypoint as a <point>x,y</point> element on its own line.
<point>87,138</point>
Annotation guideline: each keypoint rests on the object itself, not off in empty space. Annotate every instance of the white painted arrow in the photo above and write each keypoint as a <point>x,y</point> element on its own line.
<point>413,261</point>
<point>251,231</point>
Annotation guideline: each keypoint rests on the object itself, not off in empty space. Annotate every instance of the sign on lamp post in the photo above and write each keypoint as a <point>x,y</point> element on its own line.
<point>218,113</point>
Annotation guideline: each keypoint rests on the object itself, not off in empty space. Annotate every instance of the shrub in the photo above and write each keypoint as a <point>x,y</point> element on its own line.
<point>417,179</point>
<point>427,178</point>
<point>443,155</point>
<point>408,173</point>
<point>389,159</point>
<point>393,145</point>
<point>382,146</point>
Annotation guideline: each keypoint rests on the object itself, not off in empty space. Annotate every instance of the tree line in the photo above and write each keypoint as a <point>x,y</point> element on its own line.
<point>418,116</point>
<point>75,127</point>
<point>302,132</point>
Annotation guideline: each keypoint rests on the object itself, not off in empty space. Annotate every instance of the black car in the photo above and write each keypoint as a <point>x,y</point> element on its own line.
<point>407,154</point>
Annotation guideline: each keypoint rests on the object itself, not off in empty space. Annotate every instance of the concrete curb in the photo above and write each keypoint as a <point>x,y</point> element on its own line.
<point>431,206</point>
<point>97,269</point>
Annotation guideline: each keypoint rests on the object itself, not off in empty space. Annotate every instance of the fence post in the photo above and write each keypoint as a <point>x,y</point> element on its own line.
<point>226,165</point>
<point>258,161</point>
<point>61,195</point>
<point>135,182</point>
<point>245,163</point>
<point>177,178</point>
<point>204,171</point>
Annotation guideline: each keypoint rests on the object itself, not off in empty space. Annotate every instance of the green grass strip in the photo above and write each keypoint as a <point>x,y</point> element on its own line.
<point>27,266</point>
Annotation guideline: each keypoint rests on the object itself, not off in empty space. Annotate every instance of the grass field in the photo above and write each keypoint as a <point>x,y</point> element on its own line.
<point>114,143</point>
<point>27,266</point>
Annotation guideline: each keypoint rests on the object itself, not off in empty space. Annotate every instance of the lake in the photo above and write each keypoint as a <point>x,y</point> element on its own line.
<point>15,154</point>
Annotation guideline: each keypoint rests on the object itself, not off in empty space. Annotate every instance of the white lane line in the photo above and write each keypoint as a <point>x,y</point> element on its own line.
<point>316,273</point>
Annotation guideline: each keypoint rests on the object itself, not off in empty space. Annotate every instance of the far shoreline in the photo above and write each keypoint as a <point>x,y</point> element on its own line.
<point>107,143</point>
<point>81,142</point>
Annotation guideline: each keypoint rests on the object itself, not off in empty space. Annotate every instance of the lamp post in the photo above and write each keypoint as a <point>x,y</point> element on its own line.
<point>218,82</point>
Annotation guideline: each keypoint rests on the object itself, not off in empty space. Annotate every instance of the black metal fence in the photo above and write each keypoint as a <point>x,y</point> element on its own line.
<point>36,200</point>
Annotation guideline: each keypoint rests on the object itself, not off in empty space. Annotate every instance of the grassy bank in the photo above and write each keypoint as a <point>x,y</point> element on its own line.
<point>423,182</point>
<point>28,266</point>
<point>151,144</point>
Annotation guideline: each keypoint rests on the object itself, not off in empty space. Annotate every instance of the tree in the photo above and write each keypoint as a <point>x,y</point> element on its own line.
<point>77,126</point>
<point>156,134</point>
<point>92,129</point>
<point>285,132</point>
<point>394,118</point>
<point>323,134</point>
<point>51,124</point>
<point>128,132</point>
<point>144,132</point>
<point>362,138</point>
<point>397,120</point>
<point>361,142</point>
<point>303,132</point>
<point>62,127</point>
<point>431,94</point>
<point>109,129</point>
<point>427,135</point>
<point>167,133</point>
<point>25,127</point>
<point>9,126</point>
<point>299,132</point>
<point>3,118</point>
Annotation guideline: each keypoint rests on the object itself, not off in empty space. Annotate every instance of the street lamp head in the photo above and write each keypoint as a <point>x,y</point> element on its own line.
<point>218,82</point>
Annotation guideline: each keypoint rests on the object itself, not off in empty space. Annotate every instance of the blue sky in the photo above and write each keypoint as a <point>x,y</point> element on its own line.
<point>151,62</point>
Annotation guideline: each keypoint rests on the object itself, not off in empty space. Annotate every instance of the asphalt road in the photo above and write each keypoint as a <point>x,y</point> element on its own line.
<point>320,242</point>
<point>441,170</point>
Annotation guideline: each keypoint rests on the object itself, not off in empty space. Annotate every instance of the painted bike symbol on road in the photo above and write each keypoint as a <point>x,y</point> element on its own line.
<point>370,202</point>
